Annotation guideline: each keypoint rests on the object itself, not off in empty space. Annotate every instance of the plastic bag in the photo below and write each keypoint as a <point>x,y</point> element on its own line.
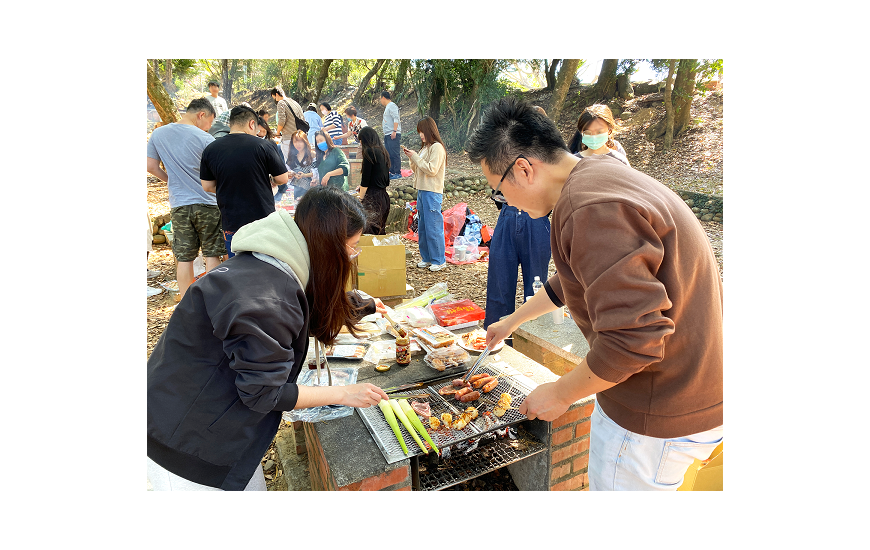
<point>434,292</point>
<point>198,265</point>
<point>386,241</point>
<point>417,317</point>
<point>446,357</point>
<point>341,376</point>
<point>470,243</point>
<point>454,219</point>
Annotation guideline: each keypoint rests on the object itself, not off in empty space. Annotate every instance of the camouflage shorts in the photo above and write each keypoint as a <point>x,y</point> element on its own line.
<point>196,225</point>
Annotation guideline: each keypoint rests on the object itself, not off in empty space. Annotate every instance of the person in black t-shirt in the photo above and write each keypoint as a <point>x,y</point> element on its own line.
<point>374,179</point>
<point>237,168</point>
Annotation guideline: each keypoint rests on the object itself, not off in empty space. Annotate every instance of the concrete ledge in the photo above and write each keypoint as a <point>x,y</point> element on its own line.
<point>559,348</point>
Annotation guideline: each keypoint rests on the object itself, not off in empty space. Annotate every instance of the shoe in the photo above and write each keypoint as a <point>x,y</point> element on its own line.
<point>395,176</point>
<point>152,274</point>
<point>437,267</point>
<point>423,264</point>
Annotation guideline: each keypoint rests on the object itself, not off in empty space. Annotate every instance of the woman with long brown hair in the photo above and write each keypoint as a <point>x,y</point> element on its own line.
<point>303,174</point>
<point>374,179</point>
<point>428,167</point>
<point>226,366</point>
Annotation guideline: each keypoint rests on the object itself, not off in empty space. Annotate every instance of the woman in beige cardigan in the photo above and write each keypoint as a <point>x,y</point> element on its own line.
<point>428,167</point>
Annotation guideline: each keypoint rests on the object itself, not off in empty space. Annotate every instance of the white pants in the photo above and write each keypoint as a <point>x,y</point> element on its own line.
<point>621,460</point>
<point>162,479</point>
<point>285,148</point>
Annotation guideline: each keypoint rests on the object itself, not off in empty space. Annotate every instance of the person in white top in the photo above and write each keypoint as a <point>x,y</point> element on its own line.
<point>219,104</point>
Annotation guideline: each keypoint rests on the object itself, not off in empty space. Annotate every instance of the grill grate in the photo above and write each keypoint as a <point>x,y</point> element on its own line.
<point>484,459</point>
<point>516,385</point>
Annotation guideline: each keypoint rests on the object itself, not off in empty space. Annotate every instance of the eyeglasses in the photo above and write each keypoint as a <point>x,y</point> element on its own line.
<point>494,194</point>
<point>354,252</point>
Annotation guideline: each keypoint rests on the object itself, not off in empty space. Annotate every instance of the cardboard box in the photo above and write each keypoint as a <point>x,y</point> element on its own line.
<point>380,269</point>
<point>706,475</point>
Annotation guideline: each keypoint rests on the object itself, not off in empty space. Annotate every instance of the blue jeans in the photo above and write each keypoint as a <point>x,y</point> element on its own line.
<point>430,226</point>
<point>228,237</point>
<point>620,460</point>
<point>392,146</point>
<point>337,141</point>
<point>518,240</point>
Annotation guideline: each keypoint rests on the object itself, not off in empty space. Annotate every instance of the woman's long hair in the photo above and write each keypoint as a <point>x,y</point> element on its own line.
<point>262,123</point>
<point>430,132</point>
<point>369,143</point>
<point>306,160</point>
<point>327,218</point>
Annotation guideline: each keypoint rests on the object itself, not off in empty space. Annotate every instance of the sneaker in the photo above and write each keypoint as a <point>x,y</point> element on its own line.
<point>395,176</point>
<point>437,267</point>
<point>423,264</point>
<point>152,274</point>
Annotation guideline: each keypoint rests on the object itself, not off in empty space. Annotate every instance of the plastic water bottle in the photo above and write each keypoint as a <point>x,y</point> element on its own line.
<point>537,285</point>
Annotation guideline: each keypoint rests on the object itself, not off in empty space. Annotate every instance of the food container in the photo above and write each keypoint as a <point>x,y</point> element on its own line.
<point>435,336</point>
<point>459,253</point>
<point>558,316</point>
<point>446,357</point>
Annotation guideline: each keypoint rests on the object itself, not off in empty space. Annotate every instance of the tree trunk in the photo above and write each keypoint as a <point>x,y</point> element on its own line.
<point>605,88</point>
<point>435,94</point>
<point>168,81</point>
<point>551,75</point>
<point>683,92</point>
<point>486,68</point>
<point>669,106</point>
<point>563,82</point>
<point>301,83</point>
<point>226,84</point>
<point>623,86</point>
<point>400,78</point>
<point>321,78</point>
<point>357,97</point>
<point>160,98</point>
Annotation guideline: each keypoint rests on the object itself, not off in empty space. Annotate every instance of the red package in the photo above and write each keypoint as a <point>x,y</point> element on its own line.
<point>457,313</point>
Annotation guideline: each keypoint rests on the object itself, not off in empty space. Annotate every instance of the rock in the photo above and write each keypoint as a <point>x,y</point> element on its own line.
<point>690,202</point>
<point>158,239</point>
<point>625,116</point>
<point>705,210</point>
<point>268,465</point>
<point>710,202</point>
<point>706,217</point>
<point>696,210</point>
<point>697,214</point>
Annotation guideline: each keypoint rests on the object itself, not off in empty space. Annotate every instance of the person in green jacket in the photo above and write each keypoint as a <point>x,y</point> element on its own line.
<point>332,165</point>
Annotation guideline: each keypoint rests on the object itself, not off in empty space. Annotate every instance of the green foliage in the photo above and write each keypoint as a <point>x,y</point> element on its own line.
<point>626,66</point>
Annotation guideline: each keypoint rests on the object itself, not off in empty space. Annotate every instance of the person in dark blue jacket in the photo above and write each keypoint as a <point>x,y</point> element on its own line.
<point>226,366</point>
<point>518,240</point>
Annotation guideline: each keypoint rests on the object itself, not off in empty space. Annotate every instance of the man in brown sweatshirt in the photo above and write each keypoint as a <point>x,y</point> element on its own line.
<point>637,272</point>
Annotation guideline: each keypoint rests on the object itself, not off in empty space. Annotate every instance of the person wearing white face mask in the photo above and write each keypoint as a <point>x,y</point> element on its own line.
<point>594,134</point>
<point>237,168</point>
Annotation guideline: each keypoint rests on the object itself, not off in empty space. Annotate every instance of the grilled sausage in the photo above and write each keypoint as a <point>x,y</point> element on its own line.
<point>489,386</point>
<point>481,381</point>
<point>470,396</point>
<point>461,392</point>
<point>478,376</point>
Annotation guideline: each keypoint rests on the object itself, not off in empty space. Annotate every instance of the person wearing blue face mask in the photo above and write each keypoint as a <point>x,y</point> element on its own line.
<point>332,165</point>
<point>594,134</point>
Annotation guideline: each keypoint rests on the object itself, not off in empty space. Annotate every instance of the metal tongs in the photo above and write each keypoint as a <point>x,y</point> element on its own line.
<point>477,363</point>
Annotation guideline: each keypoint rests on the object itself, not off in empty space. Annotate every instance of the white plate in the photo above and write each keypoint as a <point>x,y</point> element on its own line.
<point>460,341</point>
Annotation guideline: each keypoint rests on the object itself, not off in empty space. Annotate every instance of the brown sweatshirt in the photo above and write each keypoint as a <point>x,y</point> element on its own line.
<point>638,275</point>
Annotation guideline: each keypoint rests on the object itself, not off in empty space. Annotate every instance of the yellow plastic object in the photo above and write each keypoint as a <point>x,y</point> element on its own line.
<point>706,475</point>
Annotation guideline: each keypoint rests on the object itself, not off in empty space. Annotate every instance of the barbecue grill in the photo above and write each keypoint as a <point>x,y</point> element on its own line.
<point>461,466</point>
